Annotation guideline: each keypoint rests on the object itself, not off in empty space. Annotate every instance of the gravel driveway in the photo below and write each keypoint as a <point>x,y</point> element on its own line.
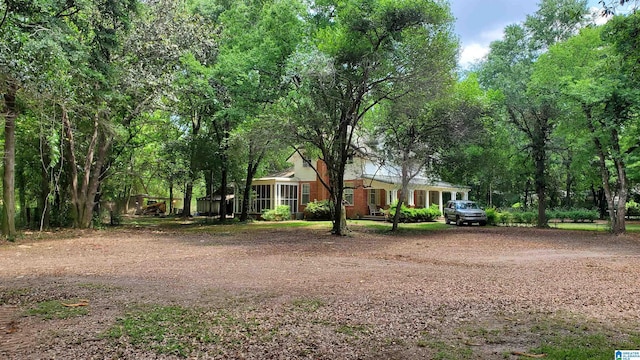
<point>481,293</point>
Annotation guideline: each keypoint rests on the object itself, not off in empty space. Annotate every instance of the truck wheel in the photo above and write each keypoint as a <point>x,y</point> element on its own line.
<point>459,221</point>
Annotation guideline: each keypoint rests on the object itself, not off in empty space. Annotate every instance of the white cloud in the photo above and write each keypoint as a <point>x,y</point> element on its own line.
<point>596,16</point>
<point>472,53</point>
<point>476,50</point>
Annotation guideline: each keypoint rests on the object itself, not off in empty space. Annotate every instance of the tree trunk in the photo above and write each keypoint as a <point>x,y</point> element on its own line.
<point>223,191</point>
<point>252,168</point>
<point>396,217</point>
<point>616,213</point>
<point>188,191</point>
<point>22,194</point>
<point>620,225</point>
<point>170,197</point>
<point>83,194</point>
<point>541,182</point>
<point>45,189</point>
<point>568,182</point>
<point>8,183</point>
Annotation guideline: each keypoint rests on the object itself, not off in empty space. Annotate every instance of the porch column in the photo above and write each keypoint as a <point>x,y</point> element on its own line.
<point>454,195</point>
<point>440,201</point>
<point>428,203</point>
<point>411,198</point>
<point>465,195</point>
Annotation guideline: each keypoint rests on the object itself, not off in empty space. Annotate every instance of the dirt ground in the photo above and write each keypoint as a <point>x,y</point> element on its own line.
<point>480,293</point>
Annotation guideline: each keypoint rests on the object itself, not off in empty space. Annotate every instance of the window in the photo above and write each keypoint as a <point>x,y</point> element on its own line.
<point>374,196</point>
<point>306,191</point>
<point>306,163</point>
<point>261,199</point>
<point>420,198</point>
<point>347,194</point>
<point>289,196</point>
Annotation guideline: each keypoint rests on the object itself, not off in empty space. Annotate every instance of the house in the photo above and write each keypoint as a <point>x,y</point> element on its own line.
<point>369,187</point>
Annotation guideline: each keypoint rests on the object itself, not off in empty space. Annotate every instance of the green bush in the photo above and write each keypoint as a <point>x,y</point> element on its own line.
<point>492,216</point>
<point>413,215</point>
<point>633,208</point>
<point>318,210</point>
<point>529,217</point>
<point>516,217</point>
<point>576,215</point>
<point>280,213</point>
<point>504,218</point>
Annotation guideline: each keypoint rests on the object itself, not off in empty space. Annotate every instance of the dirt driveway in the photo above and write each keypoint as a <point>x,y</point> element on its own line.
<point>467,293</point>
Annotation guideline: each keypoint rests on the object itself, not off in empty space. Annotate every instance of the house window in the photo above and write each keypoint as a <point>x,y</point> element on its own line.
<point>289,196</point>
<point>347,194</point>
<point>262,198</point>
<point>306,191</point>
<point>374,196</point>
<point>306,163</point>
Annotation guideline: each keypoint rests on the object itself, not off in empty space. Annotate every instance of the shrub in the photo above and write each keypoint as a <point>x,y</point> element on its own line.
<point>633,208</point>
<point>492,216</point>
<point>576,215</point>
<point>318,210</point>
<point>529,217</point>
<point>504,218</point>
<point>516,217</point>
<point>280,213</point>
<point>412,215</point>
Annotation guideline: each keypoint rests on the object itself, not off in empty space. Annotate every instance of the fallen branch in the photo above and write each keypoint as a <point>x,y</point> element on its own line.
<point>536,356</point>
<point>81,302</point>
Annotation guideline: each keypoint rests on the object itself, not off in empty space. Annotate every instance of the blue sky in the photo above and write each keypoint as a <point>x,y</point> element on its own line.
<point>479,22</point>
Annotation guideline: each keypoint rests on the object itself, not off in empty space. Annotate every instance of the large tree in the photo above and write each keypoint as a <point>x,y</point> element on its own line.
<point>508,68</point>
<point>357,51</point>
<point>601,101</point>
<point>31,52</point>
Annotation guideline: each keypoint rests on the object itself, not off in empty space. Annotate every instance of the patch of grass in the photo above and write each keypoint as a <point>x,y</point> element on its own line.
<point>307,305</point>
<point>385,227</point>
<point>445,351</point>
<point>12,296</point>
<point>562,340</point>
<point>352,330</point>
<point>53,309</point>
<point>209,225</point>
<point>179,331</point>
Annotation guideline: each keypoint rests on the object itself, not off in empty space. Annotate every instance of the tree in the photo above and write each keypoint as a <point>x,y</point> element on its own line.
<point>258,39</point>
<point>30,48</point>
<point>508,68</point>
<point>358,51</point>
<point>413,129</point>
<point>584,71</point>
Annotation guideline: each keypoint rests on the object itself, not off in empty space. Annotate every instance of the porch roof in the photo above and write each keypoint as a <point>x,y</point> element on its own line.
<point>416,183</point>
<point>287,175</point>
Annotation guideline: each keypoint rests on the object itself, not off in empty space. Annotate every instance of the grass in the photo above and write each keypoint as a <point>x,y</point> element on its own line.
<point>307,305</point>
<point>179,331</point>
<point>566,340</point>
<point>383,227</point>
<point>53,309</point>
<point>443,350</point>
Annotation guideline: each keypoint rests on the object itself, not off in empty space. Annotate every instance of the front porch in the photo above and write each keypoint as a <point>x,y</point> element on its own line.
<point>381,192</point>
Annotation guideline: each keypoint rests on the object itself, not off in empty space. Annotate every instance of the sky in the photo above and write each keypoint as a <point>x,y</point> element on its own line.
<point>479,22</point>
